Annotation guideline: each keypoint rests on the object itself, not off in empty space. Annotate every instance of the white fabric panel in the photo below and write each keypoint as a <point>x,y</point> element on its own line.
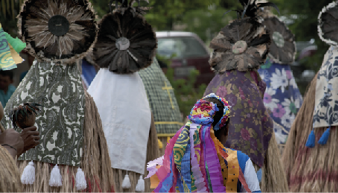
<point>250,177</point>
<point>126,117</point>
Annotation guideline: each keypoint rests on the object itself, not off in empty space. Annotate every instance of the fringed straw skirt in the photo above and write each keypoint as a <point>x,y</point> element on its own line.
<point>310,169</point>
<point>9,173</point>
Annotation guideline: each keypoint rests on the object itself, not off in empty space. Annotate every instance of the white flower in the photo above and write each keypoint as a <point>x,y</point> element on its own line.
<point>291,105</point>
<point>293,83</point>
<point>279,80</point>
<point>269,101</point>
<point>288,118</point>
<point>280,137</point>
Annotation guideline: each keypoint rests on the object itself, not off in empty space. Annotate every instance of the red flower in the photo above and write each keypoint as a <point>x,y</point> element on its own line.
<point>245,134</point>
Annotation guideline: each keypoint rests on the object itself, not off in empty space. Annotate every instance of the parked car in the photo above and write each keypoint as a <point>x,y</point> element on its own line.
<point>189,53</point>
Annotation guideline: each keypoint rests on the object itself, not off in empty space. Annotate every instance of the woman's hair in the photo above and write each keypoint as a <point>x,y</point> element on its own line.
<point>218,116</point>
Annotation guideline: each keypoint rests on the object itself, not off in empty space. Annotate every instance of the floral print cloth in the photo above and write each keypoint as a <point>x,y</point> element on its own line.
<point>250,127</point>
<point>326,103</point>
<point>282,97</point>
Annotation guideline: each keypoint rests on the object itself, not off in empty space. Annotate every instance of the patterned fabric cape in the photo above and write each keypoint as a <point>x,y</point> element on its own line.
<point>163,104</point>
<point>326,103</point>
<point>282,97</point>
<point>59,90</point>
<point>250,127</point>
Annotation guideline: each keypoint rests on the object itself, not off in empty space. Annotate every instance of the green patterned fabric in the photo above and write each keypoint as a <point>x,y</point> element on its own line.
<point>59,90</point>
<point>6,60</point>
<point>162,100</point>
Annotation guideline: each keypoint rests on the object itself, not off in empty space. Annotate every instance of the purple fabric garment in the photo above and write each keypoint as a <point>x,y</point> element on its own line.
<point>251,126</point>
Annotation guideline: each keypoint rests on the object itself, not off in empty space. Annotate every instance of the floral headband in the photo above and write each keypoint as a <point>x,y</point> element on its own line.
<point>204,111</point>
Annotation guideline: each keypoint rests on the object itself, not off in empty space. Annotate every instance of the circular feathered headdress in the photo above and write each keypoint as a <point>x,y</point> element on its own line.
<point>283,46</point>
<point>328,24</point>
<point>126,42</point>
<point>58,30</point>
<point>242,45</point>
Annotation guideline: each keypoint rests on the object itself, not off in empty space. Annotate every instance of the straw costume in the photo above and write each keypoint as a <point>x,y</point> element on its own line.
<point>239,50</point>
<point>282,97</point>
<point>10,176</point>
<point>126,43</point>
<point>310,153</point>
<point>196,161</point>
<point>73,154</point>
<point>163,104</point>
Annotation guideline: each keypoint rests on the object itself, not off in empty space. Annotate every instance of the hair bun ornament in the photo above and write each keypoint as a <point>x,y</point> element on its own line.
<point>203,112</point>
<point>328,24</point>
<point>226,110</point>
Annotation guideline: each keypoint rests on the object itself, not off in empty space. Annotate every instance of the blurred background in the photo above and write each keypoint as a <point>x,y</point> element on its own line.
<point>184,29</point>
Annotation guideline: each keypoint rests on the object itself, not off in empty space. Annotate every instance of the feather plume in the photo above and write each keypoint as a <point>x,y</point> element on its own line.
<point>328,24</point>
<point>129,30</point>
<point>34,22</point>
<point>283,46</point>
<point>253,41</point>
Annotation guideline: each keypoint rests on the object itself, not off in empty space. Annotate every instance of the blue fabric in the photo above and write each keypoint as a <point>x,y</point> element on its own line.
<point>282,97</point>
<point>185,166</point>
<point>5,97</point>
<point>259,175</point>
<point>88,72</point>
<point>242,159</point>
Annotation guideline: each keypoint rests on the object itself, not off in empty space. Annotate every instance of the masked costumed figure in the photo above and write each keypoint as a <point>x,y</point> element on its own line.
<point>310,156</point>
<point>282,97</point>
<point>126,43</point>
<point>239,49</point>
<point>73,153</point>
<point>195,159</point>
<point>163,104</point>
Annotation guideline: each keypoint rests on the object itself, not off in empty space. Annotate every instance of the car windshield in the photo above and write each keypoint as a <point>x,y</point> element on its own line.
<point>180,47</point>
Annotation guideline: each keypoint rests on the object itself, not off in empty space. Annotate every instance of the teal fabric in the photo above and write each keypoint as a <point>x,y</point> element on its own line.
<point>4,97</point>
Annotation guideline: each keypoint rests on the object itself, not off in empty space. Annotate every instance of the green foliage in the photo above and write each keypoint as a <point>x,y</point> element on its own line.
<point>198,21</point>
<point>185,93</point>
<point>165,13</point>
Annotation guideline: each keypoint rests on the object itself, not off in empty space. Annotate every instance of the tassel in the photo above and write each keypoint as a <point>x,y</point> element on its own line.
<point>80,180</point>
<point>28,174</point>
<point>126,182</point>
<point>140,185</point>
<point>55,177</point>
<point>323,139</point>
<point>311,140</point>
<point>160,145</point>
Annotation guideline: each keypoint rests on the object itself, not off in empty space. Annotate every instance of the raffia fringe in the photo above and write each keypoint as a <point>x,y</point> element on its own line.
<point>273,176</point>
<point>95,162</point>
<point>9,173</point>
<point>310,169</point>
<point>152,153</point>
<point>300,130</point>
